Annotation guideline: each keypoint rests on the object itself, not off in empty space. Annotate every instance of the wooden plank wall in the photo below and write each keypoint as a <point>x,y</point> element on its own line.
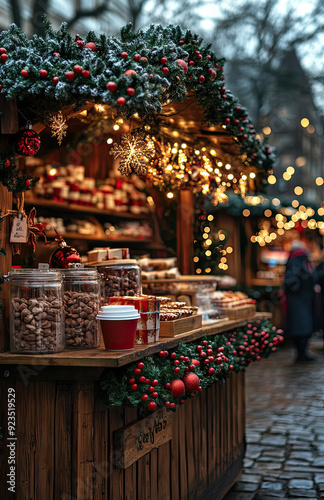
<point>65,444</point>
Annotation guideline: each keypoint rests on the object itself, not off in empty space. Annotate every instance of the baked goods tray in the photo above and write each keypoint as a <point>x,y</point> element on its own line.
<point>179,326</point>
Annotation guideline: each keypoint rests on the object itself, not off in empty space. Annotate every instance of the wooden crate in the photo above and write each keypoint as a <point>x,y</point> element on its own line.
<point>178,326</point>
<point>240,312</point>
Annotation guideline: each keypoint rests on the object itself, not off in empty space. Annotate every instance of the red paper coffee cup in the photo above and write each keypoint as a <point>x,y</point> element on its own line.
<point>118,326</point>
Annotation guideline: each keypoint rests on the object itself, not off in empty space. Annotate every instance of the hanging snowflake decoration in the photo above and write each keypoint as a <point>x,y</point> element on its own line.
<point>134,152</point>
<point>58,126</point>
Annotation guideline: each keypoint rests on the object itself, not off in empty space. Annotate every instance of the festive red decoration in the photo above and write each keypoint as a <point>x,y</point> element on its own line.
<point>77,69</point>
<point>182,64</point>
<point>163,60</point>
<point>227,121</point>
<point>195,362</point>
<point>191,382</point>
<point>56,54</point>
<point>191,63</point>
<point>134,387</point>
<point>28,143</point>
<point>3,50</point>
<point>121,101</point>
<point>43,73</point>
<point>4,57</point>
<point>155,382</point>
<point>165,70</point>
<point>55,80</point>
<point>151,406</point>
<point>124,55</point>
<point>79,43</point>
<point>144,59</point>
<point>244,136</point>
<point>181,42</point>
<point>24,73</point>
<point>111,86</point>
<point>27,182</point>
<point>63,255</point>
<point>201,79</point>
<point>177,388</point>
<point>130,72</point>
<point>199,56</point>
<point>144,397</point>
<point>91,46</point>
<point>85,73</point>
<point>130,91</point>
<point>7,163</point>
<point>70,75</point>
<point>137,57</point>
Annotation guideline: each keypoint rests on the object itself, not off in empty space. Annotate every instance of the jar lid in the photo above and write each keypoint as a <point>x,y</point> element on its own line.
<point>78,272</point>
<point>114,262</point>
<point>38,274</point>
<point>118,313</point>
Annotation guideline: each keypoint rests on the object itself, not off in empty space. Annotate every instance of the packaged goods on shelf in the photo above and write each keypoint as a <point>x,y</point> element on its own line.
<point>129,229</point>
<point>229,299</point>
<point>148,264</point>
<point>166,274</point>
<point>107,253</point>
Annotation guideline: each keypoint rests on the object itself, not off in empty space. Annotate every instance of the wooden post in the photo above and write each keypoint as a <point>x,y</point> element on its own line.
<point>5,265</point>
<point>185,237</point>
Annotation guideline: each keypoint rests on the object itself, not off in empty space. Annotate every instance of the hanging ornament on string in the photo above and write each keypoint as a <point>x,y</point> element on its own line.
<point>58,126</point>
<point>134,152</point>
<point>64,255</point>
<point>28,142</point>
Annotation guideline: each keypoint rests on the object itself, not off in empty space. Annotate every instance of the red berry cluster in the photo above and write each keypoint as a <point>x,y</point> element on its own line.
<point>141,383</point>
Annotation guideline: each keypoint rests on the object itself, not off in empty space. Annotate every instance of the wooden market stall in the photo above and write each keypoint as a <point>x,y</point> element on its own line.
<point>64,442</point>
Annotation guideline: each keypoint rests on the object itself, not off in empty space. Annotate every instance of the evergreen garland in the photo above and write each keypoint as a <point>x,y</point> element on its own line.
<point>147,384</point>
<point>161,65</point>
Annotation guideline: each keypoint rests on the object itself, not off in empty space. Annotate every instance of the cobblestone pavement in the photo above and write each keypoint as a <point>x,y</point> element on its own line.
<point>284,428</point>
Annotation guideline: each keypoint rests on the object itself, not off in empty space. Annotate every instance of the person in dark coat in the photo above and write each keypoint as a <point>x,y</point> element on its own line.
<point>300,284</point>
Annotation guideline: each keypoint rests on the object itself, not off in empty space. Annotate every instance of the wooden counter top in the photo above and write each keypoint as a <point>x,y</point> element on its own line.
<point>99,357</point>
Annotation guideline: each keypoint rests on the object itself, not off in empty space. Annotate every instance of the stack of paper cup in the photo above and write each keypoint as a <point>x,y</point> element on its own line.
<point>118,326</point>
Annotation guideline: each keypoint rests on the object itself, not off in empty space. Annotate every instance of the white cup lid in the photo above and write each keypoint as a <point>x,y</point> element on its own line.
<point>118,313</point>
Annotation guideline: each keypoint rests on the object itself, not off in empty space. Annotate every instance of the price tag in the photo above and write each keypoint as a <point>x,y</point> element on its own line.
<point>19,230</point>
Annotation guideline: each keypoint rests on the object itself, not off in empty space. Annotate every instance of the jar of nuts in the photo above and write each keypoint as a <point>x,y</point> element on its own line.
<point>36,311</point>
<point>119,278</point>
<point>81,304</point>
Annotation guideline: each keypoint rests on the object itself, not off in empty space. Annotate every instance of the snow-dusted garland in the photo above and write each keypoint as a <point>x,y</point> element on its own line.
<point>169,377</point>
<point>135,73</point>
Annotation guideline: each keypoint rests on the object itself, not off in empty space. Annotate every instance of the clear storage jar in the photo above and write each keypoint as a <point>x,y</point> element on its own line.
<point>36,311</point>
<point>81,297</point>
<point>119,278</point>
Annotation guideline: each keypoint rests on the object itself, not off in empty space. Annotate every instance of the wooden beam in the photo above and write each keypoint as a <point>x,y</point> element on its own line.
<point>185,237</point>
<point>5,265</point>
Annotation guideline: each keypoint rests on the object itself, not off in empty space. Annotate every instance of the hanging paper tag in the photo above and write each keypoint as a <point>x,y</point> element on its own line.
<point>19,230</point>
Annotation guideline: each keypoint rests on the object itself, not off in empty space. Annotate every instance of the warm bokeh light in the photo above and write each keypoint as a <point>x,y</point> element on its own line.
<point>300,161</point>
<point>267,213</point>
<point>246,212</point>
<point>110,140</point>
<point>272,179</point>
<point>319,181</point>
<point>210,217</point>
<point>290,170</point>
<point>229,249</point>
<point>295,203</point>
<point>266,130</point>
<point>252,175</point>
<point>170,195</point>
<point>298,190</point>
<point>286,176</point>
<point>276,202</point>
<point>304,122</point>
<point>196,259</point>
<point>53,171</point>
<point>310,129</point>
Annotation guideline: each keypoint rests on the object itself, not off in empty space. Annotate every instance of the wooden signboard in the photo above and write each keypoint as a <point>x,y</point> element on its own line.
<point>179,326</point>
<point>244,311</point>
<point>135,440</point>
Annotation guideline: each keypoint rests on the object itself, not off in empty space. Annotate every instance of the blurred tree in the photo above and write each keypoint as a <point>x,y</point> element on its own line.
<point>255,36</point>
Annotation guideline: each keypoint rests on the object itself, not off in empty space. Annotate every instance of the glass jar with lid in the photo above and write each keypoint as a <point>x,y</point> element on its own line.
<point>119,278</point>
<point>81,297</point>
<point>36,311</point>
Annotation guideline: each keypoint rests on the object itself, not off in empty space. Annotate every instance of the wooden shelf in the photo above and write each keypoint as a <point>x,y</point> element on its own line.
<point>73,207</point>
<point>80,236</point>
<point>99,357</point>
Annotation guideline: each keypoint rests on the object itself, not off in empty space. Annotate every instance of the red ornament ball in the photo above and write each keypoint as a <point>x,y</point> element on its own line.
<point>244,136</point>
<point>181,42</point>
<point>90,45</point>
<point>85,73</point>
<point>27,182</point>
<point>137,57</point>
<point>4,57</point>
<point>155,382</point>
<point>140,365</point>
<point>56,54</point>
<point>124,55</point>
<point>134,387</point>
<point>165,70</point>
<point>182,64</point>
<point>111,86</point>
<point>211,371</point>
<point>151,406</point>
<point>3,50</point>
<point>191,382</point>
<point>28,142</point>
<point>199,56</point>
<point>79,43</point>
<point>144,59</point>
<point>70,75</point>
<point>178,388</point>
<point>144,397</point>
<point>201,79</point>
<point>191,63</point>
<point>63,256</point>
<point>130,72</point>
<point>7,163</point>
<point>163,60</point>
<point>77,69</point>
<point>24,73</point>
<point>43,73</point>
<point>236,122</point>
<point>55,80</point>
<point>227,121</point>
